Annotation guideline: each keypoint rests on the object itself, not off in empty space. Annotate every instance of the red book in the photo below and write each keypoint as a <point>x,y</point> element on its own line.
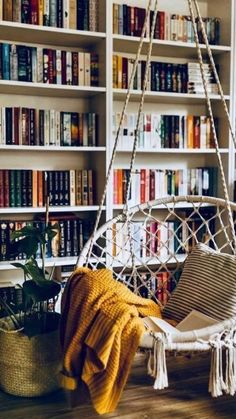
<point>1,188</point>
<point>136,27</point>
<point>16,118</point>
<point>162,25</point>
<point>142,185</point>
<point>75,64</point>
<point>153,239</point>
<point>40,191</point>
<point>63,67</point>
<point>132,21</point>
<point>50,66</point>
<point>34,16</point>
<point>115,187</point>
<point>124,73</point>
<point>6,185</point>
<point>120,197</point>
<point>196,132</point>
<point>152,184</point>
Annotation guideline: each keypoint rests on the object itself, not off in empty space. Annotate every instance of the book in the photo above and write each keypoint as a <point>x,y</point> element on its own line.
<point>193,321</point>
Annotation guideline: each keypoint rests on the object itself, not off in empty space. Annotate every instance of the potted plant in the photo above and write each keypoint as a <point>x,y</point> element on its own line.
<point>29,336</point>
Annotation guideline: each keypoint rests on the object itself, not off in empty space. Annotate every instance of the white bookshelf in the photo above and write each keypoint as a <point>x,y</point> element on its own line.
<point>184,103</point>
<point>105,100</point>
<point>80,99</point>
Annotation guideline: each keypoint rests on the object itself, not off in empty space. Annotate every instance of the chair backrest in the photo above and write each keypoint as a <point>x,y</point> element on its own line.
<point>146,247</point>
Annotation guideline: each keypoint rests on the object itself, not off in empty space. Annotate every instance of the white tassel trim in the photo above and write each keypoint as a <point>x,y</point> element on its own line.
<point>159,369</point>
<point>217,383</point>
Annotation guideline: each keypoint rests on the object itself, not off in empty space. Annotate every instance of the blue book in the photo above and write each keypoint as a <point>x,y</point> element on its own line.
<point>6,61</point>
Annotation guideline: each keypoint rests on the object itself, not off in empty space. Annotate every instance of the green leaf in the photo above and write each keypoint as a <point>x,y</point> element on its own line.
<point>34,271</point>
<point>27,245</point>
<point>18,265</point>
<point>43,292</point>
<point>28,230</point>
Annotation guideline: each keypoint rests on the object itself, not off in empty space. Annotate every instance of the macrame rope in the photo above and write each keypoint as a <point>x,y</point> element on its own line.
<point>208,48</point>
<point>159,369</point>
<point>208,100</point>
<point>130,84</point>
<point>136,136</point>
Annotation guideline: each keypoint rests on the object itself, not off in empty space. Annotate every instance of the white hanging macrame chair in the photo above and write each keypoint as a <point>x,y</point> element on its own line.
<point>116,244</point>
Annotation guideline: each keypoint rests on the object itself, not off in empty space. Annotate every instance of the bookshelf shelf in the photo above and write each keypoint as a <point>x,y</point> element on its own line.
<point>104,101</point>
<point>177,150</point>
<point>31,210</point>
<point>49,263</point>
<point>129,44</point>
<point>167,260</point>
<point>50,35</point>
<point>165,97</point>
<point>40,89</point>
<point>51,148</point>
<point>180,205</point>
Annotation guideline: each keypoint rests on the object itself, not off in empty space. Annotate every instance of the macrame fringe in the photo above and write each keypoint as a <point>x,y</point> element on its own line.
<point>217,383</point>
<point>159,369</point>
<point>230,373</point>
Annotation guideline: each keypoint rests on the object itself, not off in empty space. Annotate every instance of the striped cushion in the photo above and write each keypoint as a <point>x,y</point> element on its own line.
<point>207,284</point>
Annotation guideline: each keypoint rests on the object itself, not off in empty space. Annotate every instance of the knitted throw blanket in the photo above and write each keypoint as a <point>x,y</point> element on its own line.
<point>100,331</point>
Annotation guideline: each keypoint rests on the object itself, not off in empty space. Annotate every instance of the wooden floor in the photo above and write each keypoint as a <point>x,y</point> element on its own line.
<point>186,398</point>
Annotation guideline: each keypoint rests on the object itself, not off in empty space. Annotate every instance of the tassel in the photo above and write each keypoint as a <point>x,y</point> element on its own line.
<point>160,370</point>
<point>216,381</point>
<point>149,363</point>
<point>230,377</point>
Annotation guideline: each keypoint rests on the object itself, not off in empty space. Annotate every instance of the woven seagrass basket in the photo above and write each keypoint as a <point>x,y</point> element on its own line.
<point>29,366</point>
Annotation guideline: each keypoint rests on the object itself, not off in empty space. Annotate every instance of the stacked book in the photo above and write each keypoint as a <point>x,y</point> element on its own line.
<point>73,14</point>
<point>150,184</point>
<point>72,234</point>
<point>47,127</point>
<point>129,20</point>
<point>195,83</point>
<point>47,65</point>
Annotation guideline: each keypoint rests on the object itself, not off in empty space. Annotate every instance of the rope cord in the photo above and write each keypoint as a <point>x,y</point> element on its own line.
<point>130,84</point>
<point>134,151</point>
<point>208,48</point>
<point>208,100</point>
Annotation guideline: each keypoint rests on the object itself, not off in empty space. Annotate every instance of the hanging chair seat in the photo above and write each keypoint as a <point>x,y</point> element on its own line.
<point>148,247</point>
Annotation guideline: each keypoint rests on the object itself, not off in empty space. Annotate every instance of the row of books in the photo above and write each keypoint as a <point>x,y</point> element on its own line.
<point>156,287</point>
<point>73,14</point>
<point>29,188</point>
<point>159,239</point>
<point>162,76</point>
<point>11,294</point>
<point>44,127</point>
<point>149,184</point>
<point>129,20</point>
<point>46,65</point>
<point>195,84</point>
<point>72,234</point>
<point>165,131</point>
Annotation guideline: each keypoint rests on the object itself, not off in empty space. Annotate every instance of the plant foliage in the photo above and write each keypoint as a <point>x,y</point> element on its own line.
<point>38,286</point>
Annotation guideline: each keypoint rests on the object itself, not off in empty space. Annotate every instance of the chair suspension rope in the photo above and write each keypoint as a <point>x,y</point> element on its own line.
<point>130,84</point>
<point>208,100</point>
<point>136,136</point>
<point>203,30</point>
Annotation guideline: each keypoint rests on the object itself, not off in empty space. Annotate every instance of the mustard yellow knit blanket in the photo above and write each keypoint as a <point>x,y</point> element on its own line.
<point>100,331</point>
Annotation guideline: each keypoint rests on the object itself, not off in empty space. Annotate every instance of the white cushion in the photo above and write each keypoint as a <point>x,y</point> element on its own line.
<point>207,284</point>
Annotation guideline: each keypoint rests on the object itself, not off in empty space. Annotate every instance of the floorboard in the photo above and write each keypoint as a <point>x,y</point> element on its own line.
<point>185,398</point>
